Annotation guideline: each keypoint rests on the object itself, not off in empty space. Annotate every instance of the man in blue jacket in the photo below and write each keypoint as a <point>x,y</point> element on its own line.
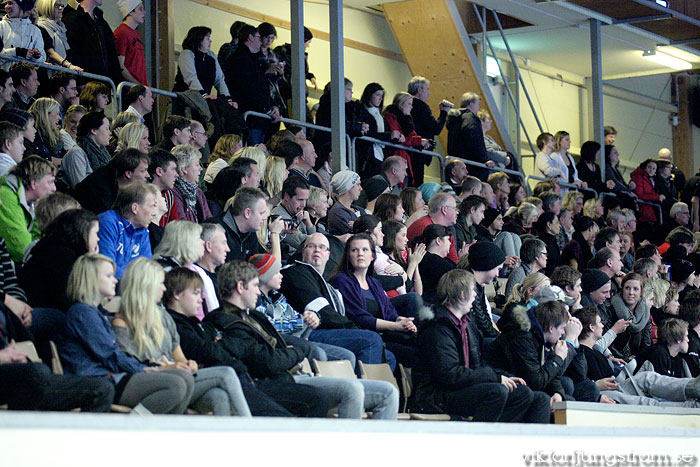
<point>124,228</point>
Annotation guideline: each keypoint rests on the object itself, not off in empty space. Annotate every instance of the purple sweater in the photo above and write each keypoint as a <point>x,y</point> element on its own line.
<point>354,301</point>
<point>184,213</point>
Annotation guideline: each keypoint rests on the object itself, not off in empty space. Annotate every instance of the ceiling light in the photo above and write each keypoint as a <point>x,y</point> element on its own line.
<point>666,60</point>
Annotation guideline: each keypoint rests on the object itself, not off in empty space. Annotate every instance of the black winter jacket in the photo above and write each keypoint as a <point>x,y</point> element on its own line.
<point>242,246</point>
<point>520,350</point>
<point>440,359</point>
<point>91,43</point>
<point>199,342</point>
<point>480,315</point>
<point>465,139</point>
<point>301,284</point>
<point>263,351</point>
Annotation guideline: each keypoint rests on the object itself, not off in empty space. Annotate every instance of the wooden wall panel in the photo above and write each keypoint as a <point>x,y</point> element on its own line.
<point>432,47</point>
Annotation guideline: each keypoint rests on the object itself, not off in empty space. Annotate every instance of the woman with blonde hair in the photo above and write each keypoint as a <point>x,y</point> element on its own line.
<point>273,178</point>
<point>134,135</point>
<point>52,28</point>
<point>252,152</point>
<point>189,199</point>
<point>225,148</point>
<point>89,346</point>
<point>147,332</point>
<point>523,293</point>
<point>182,245</point>
<point>593,208</point>
<point>573,201</point>
<point>69,132</point>
<point>271,243</point>
<point>47,120</point>
<point>118,123</point>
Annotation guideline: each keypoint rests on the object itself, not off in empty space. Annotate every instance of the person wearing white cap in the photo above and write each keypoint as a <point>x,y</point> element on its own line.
<point>345,185</point>
<point>130,50</point>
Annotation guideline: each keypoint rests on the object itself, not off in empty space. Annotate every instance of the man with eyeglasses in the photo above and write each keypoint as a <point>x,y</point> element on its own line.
<point>248,85</point>
<point>306,290</point>
<point>199,136</point>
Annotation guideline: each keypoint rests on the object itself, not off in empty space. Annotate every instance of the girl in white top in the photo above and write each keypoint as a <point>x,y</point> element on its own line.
<point>548,164</point>
<point>562,143</point>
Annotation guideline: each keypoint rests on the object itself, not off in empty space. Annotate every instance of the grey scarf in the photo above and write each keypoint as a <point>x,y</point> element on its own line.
<point>57,31</point>
<point>640,318</point>
<point>97,155</point>
<point>189,192</point>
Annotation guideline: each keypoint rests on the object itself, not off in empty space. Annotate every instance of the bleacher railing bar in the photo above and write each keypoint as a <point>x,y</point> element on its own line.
<point>305,125</point>
<point>567,185</point>
<point>436,155</point>
<point>128,84</point>
<point>649,203</point>
<point>115,96</point>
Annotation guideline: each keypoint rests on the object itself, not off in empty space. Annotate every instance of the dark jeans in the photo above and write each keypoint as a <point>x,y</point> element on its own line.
<point>492,402</point>
<point>32,386</point>
<point>584,391</point>
<point>299,399</point>
<point>259,403</point>
<point>408,305</point>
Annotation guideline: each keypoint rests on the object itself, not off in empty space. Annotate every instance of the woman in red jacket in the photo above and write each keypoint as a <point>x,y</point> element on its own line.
<point>643,177</point>
<point>397,117</point>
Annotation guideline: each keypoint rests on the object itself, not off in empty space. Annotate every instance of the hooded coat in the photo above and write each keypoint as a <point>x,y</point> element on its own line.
<point>521,351</point>
<point>440,366</point>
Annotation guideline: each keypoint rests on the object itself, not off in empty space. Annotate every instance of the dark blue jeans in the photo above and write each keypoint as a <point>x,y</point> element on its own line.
<point>366,345</point>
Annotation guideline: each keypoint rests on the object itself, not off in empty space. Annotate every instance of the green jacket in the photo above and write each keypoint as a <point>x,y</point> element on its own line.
<point>17,225</point>
<point>465,234</point>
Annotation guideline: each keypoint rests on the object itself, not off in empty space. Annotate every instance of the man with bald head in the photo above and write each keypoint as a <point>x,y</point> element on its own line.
<point>304,165</point>
<point>306,290</point>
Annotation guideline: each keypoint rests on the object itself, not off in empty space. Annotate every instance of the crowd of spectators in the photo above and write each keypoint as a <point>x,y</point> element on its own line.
<point>197,263</point>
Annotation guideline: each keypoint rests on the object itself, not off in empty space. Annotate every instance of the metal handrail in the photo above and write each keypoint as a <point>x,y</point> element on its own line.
<point>641,201</point>
<point>84,74</point>
<point>564,184</point>
<point>128,84</point>
<point>520,175</point>
<point>436,155</point>
<point>299,123</point>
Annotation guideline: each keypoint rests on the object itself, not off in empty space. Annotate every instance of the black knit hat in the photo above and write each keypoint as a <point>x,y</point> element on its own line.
<point>490,215</point>
<point>680,237</point>
<point>484,256</point>
<point>681,269</point>
<point>675,252</point>
<point>17,116</point>
<point>374,187</point>
<point>593,279</point>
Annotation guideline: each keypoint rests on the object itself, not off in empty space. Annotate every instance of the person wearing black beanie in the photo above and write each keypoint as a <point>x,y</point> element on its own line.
<point>485,262</point>
<point>548,227</point>
<point>682,277</point>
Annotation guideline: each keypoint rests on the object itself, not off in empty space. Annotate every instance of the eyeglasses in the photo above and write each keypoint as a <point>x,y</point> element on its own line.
<point>453,207</point>
<point>312,246</point>
<point>199,133</point>
<point>59,6</point>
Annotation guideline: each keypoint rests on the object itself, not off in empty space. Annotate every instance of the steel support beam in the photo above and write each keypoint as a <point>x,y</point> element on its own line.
<point>597,90</point>
<point>641,19</point>
<point>335,10</point>
<point>298,65</point>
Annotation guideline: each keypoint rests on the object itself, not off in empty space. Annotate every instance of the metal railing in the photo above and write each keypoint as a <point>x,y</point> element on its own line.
<point>641,201</point>
<point>128,84</point>
<point>520,175</point>
<point>564,184</point>
<point>433,154</point>
<point>84,74</point>
<point>305,125</point>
